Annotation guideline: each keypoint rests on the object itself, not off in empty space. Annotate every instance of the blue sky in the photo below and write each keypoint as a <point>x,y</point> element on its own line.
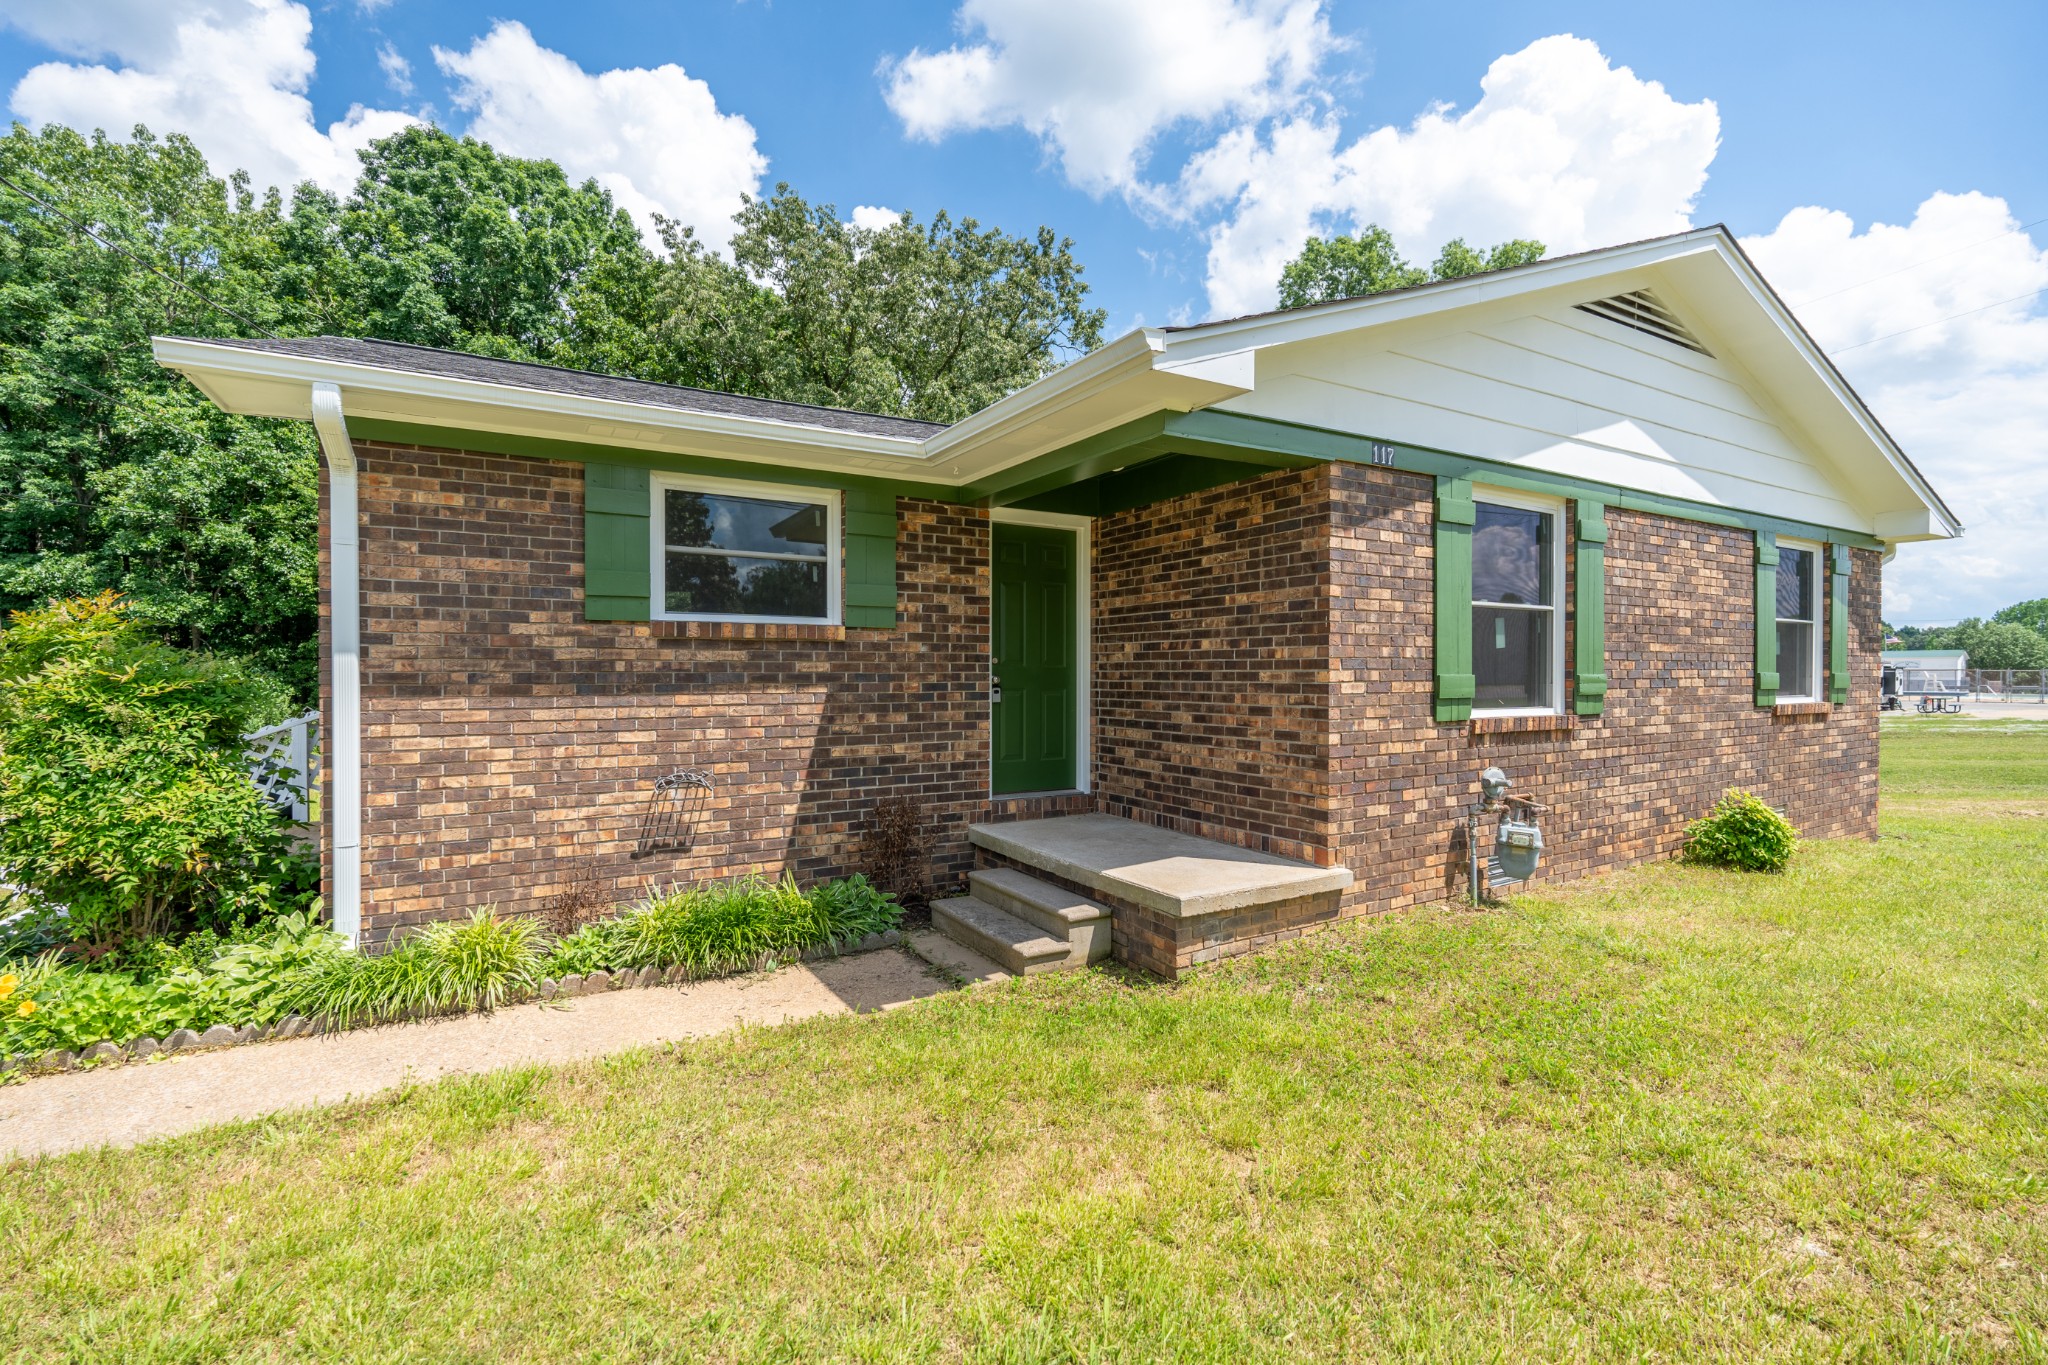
<point>1182,156</point>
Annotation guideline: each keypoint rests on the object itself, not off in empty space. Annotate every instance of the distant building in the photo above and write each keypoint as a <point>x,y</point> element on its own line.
<point>1921,670</point>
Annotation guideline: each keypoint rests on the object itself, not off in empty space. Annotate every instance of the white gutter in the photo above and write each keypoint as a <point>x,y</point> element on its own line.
<point>344,738</point>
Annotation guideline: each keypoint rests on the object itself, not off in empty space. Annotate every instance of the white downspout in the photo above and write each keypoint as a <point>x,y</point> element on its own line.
<point>344,737</point>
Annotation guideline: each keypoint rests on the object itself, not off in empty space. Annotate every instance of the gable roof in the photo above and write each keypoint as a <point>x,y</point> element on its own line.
<point>1140,375</point>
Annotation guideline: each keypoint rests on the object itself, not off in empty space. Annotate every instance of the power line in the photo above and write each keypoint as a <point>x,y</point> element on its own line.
<point>120,250</point>
<point>1938,321</point>
<point>1917,264</point>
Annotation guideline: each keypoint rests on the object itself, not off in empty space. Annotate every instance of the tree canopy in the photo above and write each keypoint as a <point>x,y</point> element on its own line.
<point>117,474</point>
<point>933,321</point>
<point>2031,614</point>
<point>1368,262</point>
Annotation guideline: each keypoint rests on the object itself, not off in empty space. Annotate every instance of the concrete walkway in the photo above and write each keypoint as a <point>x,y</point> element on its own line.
<point>138,1101</point>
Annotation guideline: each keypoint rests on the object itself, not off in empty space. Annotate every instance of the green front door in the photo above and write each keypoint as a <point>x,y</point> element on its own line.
<point>1033,659</point>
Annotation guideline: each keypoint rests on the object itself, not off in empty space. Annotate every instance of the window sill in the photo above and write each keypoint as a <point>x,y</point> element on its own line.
<point>745,630</point>
<point>1790,709</point>
<point>1481,724</point>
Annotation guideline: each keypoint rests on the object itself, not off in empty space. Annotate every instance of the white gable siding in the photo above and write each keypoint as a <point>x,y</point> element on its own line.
<point>1563,392</point>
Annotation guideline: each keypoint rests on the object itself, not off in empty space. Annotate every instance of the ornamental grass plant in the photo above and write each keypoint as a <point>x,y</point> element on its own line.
<point>476,963</point>
<point>725,927</point>
<point>300,967</point>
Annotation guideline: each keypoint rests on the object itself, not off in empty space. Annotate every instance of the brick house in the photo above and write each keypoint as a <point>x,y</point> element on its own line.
<point>1198,643</point>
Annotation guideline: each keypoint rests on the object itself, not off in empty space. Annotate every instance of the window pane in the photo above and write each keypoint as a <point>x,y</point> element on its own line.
<point>1510,555</point>
<point>730,585</point>
<point>717,521</point>
<point>1795,584</point>
<point>1795,659</point>
<point>1511,657</point>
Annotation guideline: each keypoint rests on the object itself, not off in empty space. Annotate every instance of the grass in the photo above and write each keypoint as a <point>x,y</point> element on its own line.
<point>1673,1114</point>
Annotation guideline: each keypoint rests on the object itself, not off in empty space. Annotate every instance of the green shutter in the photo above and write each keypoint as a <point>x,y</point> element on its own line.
<point>870,532</point>
<point>617,577</point>
<point>1838,626</point>
<point>1454,517</point>
<point>1589,610</point>
<point>1766,619</point>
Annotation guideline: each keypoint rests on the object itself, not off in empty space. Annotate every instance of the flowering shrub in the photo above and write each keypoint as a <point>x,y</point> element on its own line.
<point>124,795</point>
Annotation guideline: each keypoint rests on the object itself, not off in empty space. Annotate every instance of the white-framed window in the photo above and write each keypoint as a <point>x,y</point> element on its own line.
<point>1798,621</point>
<point>731,551</point>
<point>1517,603</point>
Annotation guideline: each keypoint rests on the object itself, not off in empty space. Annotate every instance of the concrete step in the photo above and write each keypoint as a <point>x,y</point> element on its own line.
<point>1018,945</point>
<point>1060,913</point>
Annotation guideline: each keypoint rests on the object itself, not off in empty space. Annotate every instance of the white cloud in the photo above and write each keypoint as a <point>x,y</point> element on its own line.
<point>397,70</point>
<point>1562,146</point>
<point>873,217</point>
<point>1967,398</point>
<point>1097,83</point>
<point>233,74</point>
<point>230,73</point>
<point>653,136</point>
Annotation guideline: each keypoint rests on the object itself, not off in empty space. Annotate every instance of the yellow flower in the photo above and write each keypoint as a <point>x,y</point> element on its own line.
<point>25,1008</point>
<point>7,985</point>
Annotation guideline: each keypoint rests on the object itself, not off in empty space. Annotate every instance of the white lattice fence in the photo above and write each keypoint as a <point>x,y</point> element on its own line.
<point>284,762</point>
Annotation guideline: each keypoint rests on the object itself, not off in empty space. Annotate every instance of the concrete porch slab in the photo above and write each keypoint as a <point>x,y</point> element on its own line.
<point>1175,874</point>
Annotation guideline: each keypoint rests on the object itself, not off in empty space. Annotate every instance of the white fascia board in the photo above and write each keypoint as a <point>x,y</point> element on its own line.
<point>1130,378</point>
<point>1131,353</point>
<point>264,384</point>
<point>1122,381</point>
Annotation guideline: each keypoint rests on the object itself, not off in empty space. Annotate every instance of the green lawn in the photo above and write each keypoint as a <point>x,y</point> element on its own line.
<point>1671,1114</point>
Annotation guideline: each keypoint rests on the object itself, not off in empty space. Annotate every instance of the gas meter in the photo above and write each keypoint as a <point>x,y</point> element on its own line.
<point>1518,848</point>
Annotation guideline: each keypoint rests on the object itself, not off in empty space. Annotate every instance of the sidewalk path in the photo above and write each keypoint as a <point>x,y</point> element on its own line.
<point>139,1101</point>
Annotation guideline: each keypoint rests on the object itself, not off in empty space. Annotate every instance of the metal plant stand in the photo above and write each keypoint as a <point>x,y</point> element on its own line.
<point>673,809</point>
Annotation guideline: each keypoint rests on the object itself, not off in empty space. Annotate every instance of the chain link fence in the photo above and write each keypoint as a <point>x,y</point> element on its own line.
<point>2008,684</point>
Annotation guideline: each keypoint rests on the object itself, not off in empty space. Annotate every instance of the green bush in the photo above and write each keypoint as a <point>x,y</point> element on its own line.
<point>76,1006</point>
<point>124,792</point>
<point>728,927</point>
<point>1743,833</point>
<point>477,963</point>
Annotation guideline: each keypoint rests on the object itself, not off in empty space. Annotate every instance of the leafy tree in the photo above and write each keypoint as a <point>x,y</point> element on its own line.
<point>1368,262</point>
<point>448,243</point>
<point>1996,644</point>
<point>115,473</point>
<point>2032,614</point>
<point>933,321</point>
<point>1457,260</point>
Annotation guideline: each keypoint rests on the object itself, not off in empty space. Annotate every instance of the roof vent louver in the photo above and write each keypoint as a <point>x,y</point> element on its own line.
<point>1643,311</point>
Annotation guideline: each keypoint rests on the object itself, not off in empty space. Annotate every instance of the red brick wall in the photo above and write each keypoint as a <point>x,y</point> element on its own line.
<point>1262,674</point>
<point>504,735</point>
<point>1680,723</point>
<point>1212,669</point>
